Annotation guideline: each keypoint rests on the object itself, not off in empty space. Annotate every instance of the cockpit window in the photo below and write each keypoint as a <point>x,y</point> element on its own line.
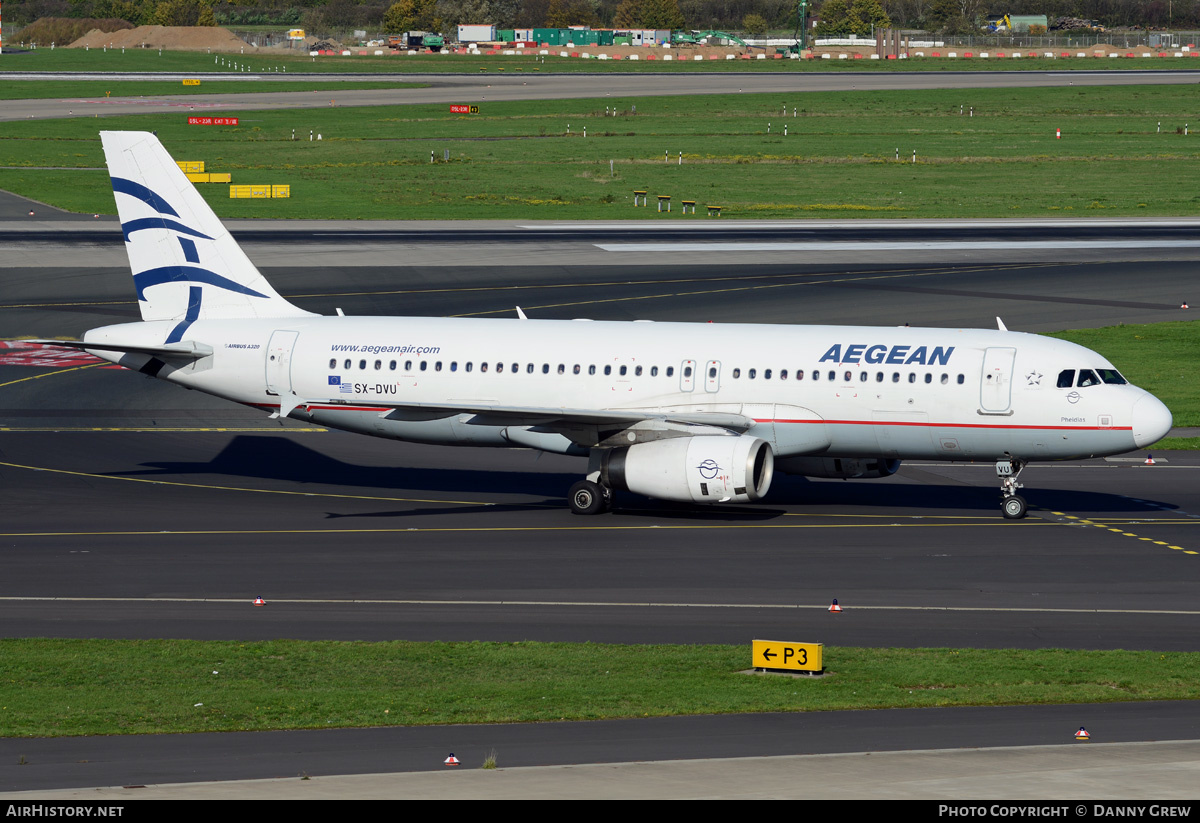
<point>1112,377</point>
<point>1066,378</point>
<point>1087,377</point>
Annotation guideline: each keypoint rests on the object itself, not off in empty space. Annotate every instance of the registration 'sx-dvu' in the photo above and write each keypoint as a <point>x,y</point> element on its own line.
<point>678,411</point>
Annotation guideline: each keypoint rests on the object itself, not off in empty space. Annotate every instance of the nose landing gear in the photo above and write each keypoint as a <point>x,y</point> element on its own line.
<point>1013,505</point>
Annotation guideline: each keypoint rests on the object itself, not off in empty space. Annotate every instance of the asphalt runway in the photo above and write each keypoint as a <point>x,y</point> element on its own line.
<point>112,480</point>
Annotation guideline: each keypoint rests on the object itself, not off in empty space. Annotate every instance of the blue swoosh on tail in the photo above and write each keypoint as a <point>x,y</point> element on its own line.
<point>187,274</point>
<point>120,184</point>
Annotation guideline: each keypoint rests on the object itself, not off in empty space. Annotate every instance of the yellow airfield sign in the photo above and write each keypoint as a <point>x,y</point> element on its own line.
<point>787,655</point>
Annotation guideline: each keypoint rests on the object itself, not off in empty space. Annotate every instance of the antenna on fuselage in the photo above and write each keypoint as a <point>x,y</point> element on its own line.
<point>1000,325</point>
<point>521,314</point>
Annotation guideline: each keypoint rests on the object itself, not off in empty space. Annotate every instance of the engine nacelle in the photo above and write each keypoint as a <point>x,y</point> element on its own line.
<point>844,468</point>
<point>696,469</point>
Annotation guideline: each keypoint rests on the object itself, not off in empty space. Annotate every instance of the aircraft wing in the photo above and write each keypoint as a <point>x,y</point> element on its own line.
<point>187,349</point>
<point>550,417</point>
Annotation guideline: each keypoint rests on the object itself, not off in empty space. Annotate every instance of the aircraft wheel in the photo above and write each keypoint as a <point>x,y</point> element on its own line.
<point>1014,507</point>
<point>586,497</point>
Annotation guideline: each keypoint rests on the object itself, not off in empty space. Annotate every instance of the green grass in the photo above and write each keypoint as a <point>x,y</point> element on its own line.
<point>52,89</point>
<point>75,687</point>
<point>517,160</point>
<point>1159,357</point>
<point>45,59</point>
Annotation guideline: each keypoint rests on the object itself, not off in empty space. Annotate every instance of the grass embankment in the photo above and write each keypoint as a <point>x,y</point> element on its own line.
<point>529,160</point>
<point>101,89</point>
<point>74,687</point>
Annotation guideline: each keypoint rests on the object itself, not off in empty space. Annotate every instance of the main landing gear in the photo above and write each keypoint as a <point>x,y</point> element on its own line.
<point>587,497</point>
<point>1013,505</point>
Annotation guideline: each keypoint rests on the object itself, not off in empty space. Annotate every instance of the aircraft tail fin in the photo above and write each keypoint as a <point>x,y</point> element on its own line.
<point>186,266</point>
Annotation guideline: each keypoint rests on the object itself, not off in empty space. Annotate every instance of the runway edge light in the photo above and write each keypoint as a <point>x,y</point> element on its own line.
<point>258,601</point>
<point>834,607</point>
<point>1082,734</point>
<point>451,760</point>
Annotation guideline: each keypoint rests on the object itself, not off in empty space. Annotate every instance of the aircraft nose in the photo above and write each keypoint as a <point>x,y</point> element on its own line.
<point>1151,421</point>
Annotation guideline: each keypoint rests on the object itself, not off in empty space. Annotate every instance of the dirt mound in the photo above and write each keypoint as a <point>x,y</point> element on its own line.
<point>176,38</point>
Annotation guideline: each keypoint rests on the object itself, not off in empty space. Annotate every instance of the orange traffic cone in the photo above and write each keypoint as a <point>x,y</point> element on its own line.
<point>1149,460</point>
<point>258,601</point>
<point>451,760</point>
<point>1184,306</point>
<point>835,607</point>
<point>1082,734</point>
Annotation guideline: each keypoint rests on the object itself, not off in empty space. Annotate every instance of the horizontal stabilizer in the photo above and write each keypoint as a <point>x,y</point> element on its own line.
<point>193,351</point>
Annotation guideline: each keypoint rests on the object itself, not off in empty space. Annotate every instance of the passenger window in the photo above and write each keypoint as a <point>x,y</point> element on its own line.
<point>895,377</point>
<point>737,373</point>
<point>929,377</point>
<point>576,369</point>
<point>945,378</point>
<point>591,369</point>
<point>654,371</point>
<point>878,377</point>
<point>766,374</point>
<point>453,365</point>
<point>799,374</point>
<point>816,375</point>
<point>751,373</point>
<point>1087,377</point>
<point>1066,378</point>
<point>483,367</point>
<point>783,374</point>
<point>437,366</point>
<point>516,367</point>
<point>687,371</point>
<point>362,364</point>
<point>408,365</point>
<point>912,377</point>
<point>562,369</point>
<point>468,366</point>
<point>670,371</point>
<point>424,365</point>
<point>529,368</point>
<point>392,365</point>
<point>347,364</point>
<point>961,379</point>
<point>847,377</point>
<point>545,368</point>
<point>499,368</point>
<point>862,377</point>
<point>378,365</point>
<point>832,374</point>
<point>333,364</point>
<point>608,370</point>
<point>638,371</point>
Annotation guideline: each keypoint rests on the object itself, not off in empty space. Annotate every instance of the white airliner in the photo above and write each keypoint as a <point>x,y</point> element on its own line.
<point>692,412</point>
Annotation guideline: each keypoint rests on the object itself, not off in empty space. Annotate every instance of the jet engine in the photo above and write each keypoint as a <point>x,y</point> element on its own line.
<point>694,469</point>
<point>844,468</point>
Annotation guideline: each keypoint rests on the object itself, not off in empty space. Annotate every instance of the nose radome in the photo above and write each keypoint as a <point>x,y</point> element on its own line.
<point>1151,421</point>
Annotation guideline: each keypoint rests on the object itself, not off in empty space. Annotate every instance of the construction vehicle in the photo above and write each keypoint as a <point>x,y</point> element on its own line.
<point>700,38</point>
<point>800,35</point>
<point>416,41</point>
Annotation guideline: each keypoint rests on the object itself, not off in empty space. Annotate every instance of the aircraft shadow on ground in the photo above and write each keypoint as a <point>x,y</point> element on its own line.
<point>285,460</point>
